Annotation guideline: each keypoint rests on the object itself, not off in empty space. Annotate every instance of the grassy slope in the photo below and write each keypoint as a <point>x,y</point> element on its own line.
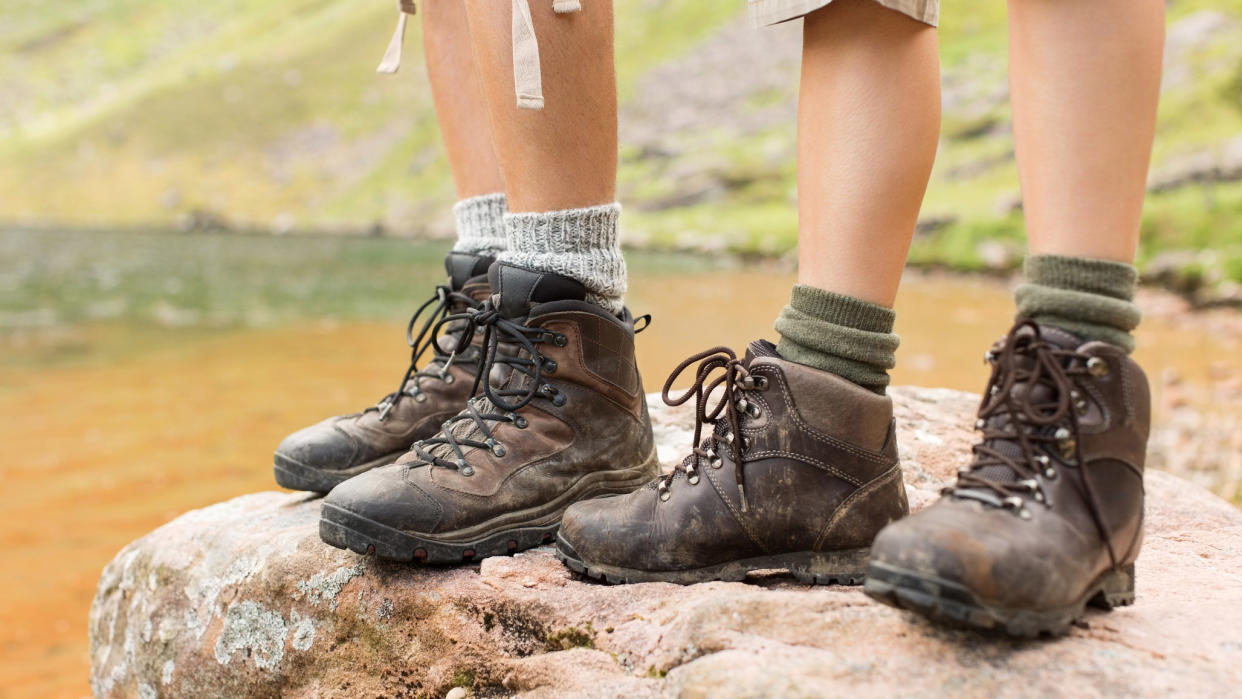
<point>268,115</point>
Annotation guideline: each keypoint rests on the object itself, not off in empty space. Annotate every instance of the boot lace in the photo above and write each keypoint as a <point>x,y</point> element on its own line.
<point>444,299</point>
<point>1023,433</point>
<point>473,427</point>
<point>725,416</point>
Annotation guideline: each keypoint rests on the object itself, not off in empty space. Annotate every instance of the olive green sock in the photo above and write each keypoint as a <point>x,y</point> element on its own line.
<point>1093,299</point>
<point>849,337</point>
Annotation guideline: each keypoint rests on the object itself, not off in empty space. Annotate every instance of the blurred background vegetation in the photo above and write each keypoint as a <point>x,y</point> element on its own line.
<point>242,115</point>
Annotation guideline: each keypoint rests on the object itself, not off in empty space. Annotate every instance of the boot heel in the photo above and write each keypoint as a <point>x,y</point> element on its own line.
<point>1116,588</point>
<point>846,567</point>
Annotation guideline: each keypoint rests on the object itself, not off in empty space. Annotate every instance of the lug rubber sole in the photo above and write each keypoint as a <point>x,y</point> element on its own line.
<point>506,534</point>
<point>294,475</point>
<point>952,604</point>
<point>812,568</point>
<point>345,530</point>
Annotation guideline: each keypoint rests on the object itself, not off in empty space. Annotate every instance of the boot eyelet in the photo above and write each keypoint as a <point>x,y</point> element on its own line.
<point>745,442</point>
<point>549,366</point>
<point>498,449</point>
<point>761,383</point>
<point>520,422</point>
<point>466,470</point>
<point>715,461</point>
<point>665,495</point>
<point>1050,473</point>
<point>1024,513</point>
<point>1097,367</point>
<point>693,480</point>
<point>448,378</point>
<point>420,397</point>
<point>753,410</point>
<point>560,400</point>
<point>559,340</point>
<point>980,423</point>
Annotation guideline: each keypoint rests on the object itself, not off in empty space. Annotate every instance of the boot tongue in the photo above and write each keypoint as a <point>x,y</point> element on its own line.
<point>1037,393</point>
<point>759,348</point>
<point>516,290</point>
<point>464,266</point>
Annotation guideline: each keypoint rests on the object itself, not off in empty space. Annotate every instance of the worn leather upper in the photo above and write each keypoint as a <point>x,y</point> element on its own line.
<point>1047,557</point>
<point>820,473</point>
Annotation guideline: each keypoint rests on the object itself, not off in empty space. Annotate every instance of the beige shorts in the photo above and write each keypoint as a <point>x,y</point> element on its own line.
<point>765,12</point>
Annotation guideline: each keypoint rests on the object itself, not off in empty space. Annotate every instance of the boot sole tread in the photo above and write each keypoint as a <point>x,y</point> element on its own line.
<point>810,568</point>
<point>954,605</point>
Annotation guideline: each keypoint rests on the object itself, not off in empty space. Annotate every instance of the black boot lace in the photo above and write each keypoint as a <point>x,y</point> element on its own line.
<point>445,299</point>
<point>725,416</point>
<point>499,404</point>
<point>1026,431</point>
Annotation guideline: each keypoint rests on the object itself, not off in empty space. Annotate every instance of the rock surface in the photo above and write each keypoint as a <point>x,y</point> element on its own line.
<point>242,599</point>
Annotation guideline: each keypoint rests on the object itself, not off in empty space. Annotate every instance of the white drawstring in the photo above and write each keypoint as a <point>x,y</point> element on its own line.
<point>527,77</point>
<point>392,57</point>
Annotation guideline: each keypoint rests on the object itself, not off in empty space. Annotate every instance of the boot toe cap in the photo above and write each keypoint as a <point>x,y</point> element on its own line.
<point>321,446</point>
<point>385,496</point>
<point>990,554</point>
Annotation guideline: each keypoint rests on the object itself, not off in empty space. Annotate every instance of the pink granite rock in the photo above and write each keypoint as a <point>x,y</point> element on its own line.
<point>241,599</point>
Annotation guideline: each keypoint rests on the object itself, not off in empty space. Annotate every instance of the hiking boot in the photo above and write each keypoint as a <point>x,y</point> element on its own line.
<point>799,472</point>
<point>1048,517</point>
<point>561,420</point>
<point>319,457</point>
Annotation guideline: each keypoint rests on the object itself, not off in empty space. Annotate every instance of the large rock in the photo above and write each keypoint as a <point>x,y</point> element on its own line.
<point>242,599</point>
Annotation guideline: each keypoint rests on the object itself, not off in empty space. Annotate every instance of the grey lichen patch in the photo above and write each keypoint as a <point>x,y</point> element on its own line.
<point>325,588</point>
<point>167,673</point>
<point>146,691</point>
<point>385,610</point>
<point>303,633</point>
<point>250,627</point>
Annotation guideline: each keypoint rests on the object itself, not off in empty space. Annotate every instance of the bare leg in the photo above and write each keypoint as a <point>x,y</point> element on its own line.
<point>868,122</point>
<point>1085,79</point>
<point>565,155</point>
<point>458,93</point>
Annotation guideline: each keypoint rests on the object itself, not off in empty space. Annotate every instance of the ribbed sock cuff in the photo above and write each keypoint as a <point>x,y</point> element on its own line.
<point>579,243</point>
<point>841,334</point>
<point>481,224</point>
<point>1093,299</point>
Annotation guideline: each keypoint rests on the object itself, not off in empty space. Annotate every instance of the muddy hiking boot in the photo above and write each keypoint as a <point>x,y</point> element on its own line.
<point>1047,519</point>
<point>799,472</point>
<point>561,420</point>
<point>319,457</point>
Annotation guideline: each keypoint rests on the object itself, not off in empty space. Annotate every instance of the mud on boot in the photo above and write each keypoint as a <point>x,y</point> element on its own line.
<point>799,472</point>
<point>1047,519</point>
<point>319,457</point>
<point>563,419</point>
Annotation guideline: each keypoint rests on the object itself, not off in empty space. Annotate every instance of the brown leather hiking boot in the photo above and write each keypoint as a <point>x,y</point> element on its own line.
<point>1048,517</point>
<point>319,457</point>
<point>800,472</point>
<point>564,419</point>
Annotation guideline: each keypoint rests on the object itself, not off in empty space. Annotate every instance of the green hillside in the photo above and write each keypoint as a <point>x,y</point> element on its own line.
<point>259,115</point>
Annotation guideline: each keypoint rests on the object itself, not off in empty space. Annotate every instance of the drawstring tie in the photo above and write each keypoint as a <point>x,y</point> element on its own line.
<point>527,77</point>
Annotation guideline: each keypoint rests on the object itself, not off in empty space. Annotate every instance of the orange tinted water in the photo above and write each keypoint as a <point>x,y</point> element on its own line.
<point>142,425</point>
